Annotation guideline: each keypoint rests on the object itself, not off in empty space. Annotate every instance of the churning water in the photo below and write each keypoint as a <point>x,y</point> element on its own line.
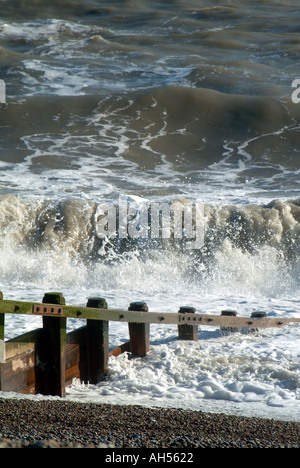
<point>158,100</point>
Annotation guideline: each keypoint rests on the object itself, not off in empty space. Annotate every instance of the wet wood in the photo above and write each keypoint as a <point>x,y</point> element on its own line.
<point>97,350</point>
<point>119,315</point>
<point>139,332</point>
<point>46,360</point>
<point>18,373</point>
<point>51,364</point>
<point>124,348</point>
<point>186,331</point>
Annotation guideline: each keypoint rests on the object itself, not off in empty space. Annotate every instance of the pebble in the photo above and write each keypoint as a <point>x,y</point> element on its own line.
<point>26,423</point>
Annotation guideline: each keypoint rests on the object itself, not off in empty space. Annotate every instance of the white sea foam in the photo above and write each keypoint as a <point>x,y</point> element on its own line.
<point>255,374</point>
<point>162,105</point>
<point>252,374</point>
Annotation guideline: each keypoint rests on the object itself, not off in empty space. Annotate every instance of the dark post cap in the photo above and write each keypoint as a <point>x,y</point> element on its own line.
<point>187,310</point>
<point>97,303</point>
<point>138,306</point>
<point>229,313</point>
<point>258,315</point>
<point>54,298</point>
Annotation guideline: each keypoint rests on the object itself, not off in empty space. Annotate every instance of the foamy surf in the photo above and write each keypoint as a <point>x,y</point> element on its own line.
<point>162,102</point>
<point>251,375</point>
<point>249,262</point>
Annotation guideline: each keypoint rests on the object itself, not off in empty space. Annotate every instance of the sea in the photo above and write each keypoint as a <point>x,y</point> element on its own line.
<point>126,104</point>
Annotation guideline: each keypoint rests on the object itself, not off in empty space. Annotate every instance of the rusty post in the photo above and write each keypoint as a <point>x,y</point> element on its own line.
<point>187,331</point>
<point>139,332</point>
<point>51,356</point>
<point>97,332</point>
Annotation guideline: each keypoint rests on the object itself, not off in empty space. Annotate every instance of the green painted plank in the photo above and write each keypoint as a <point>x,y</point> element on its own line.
<point>116,315</point>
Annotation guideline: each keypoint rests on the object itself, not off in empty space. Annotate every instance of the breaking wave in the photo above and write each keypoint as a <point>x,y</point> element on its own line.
<point>246,249</point>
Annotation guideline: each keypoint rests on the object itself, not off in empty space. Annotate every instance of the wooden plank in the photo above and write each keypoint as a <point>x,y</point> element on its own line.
<point>78,337</point>
<point>117,315</point>
<point>18,364</point>
<point>18,373</point>
<point>123,348</point>
<point>21,378</point>
<point>72,363</point>
<point>22,343</point>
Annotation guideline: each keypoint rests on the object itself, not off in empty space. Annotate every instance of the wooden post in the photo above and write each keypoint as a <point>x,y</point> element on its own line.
<point>97,343</point>
<point>51,356</point>
<point>2,336</point>
<point>139,332</point>
<point>186,331</point>
<point>257,316</point>
<point>229,313</point>
<point>2,342</point>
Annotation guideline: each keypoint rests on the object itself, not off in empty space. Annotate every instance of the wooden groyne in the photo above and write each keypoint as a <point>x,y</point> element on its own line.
<point>47,359</point>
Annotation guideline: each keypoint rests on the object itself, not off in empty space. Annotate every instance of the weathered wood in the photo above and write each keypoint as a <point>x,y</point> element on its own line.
<point>18,373</point>
<point>139,332</point>
<point>22,344</point>
<point>76,346</point>
<point>97,333</point>
<point>97,350</point>
<point>2,340</point>
<point>187,332</point>
<point>120,315</point>
<point>72,369</point>
<point>123,348</point>
<point>51,351</point>
<point>229,313</point>
<point>46,360</point>
<point>51,357</point>
<point>2,336</point>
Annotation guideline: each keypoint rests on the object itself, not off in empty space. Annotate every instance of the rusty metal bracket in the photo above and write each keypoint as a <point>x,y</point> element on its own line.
<point>48,310</point>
